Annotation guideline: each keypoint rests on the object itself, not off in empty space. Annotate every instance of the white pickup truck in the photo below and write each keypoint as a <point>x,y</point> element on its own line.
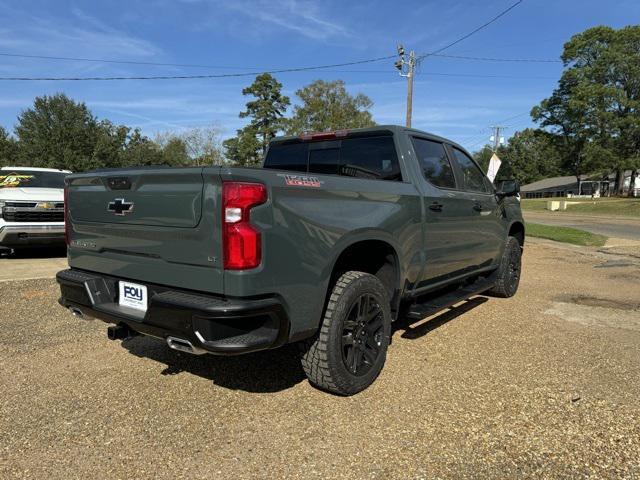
<point>31,207</point>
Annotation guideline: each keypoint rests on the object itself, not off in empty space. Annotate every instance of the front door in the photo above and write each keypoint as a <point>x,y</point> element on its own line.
<point>481,207</point>
<point>450,248</point>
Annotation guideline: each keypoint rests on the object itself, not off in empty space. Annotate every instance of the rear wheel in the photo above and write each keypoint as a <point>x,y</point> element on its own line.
<point>508,274</point>
<point>350,349</point>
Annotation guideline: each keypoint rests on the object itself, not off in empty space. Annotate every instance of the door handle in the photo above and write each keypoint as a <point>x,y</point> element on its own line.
<point>477,206</point>
<point>436,207</point>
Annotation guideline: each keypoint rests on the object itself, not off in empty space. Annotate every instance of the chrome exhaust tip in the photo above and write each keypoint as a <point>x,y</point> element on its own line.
<point>183,345</point>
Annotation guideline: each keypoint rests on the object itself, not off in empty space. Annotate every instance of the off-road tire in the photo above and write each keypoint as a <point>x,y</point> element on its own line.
<point>508,273</point>
<point>323,355</point>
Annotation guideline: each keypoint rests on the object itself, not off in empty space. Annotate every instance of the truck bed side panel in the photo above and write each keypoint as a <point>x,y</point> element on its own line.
<point>305,229</point>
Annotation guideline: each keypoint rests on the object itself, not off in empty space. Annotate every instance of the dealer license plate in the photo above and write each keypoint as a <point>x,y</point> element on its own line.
<point>133,295</point>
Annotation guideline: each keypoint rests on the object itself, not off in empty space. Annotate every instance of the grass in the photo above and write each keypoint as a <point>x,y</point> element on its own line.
<point>565,235</point>
<point>627,207</point>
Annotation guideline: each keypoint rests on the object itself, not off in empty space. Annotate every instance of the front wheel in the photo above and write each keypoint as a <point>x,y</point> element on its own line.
<point>508,274</point>
<point>349,351</point>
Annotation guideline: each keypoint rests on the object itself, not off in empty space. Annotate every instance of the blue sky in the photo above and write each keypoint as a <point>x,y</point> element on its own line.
<point>243,35</point>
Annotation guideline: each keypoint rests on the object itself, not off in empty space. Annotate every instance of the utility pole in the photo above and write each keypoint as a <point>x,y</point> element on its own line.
<point>496,137</point>
<point>406,66</point>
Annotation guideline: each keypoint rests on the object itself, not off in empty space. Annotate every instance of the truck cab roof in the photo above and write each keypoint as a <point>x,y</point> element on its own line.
<point>388,129</point>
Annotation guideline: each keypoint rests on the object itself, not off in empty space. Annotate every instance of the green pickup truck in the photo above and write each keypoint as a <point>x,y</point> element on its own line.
<point>336,237</point>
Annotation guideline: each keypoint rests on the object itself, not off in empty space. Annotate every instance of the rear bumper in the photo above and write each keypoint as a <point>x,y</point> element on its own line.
<point>214,324</point>
<point>14,235</point>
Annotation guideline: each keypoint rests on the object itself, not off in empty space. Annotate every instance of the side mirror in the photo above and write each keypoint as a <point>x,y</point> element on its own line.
<point>508,188</point>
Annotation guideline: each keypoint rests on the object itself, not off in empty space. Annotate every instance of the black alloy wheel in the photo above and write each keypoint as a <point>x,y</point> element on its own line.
<point>362,335</point>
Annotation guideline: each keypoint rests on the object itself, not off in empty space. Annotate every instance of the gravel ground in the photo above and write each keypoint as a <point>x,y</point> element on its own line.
<point>543,385</point>
<point>31,264</point>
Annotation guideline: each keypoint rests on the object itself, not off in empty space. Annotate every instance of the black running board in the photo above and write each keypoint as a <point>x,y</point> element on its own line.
<point>418,311</point>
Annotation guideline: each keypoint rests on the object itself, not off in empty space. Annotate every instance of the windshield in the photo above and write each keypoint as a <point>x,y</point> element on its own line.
<point>31,178</point>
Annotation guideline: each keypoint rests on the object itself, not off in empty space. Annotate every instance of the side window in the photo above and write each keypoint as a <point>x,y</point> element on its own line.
<point>473,177</point>
<point>488,184</point>
<point>287,156</point>
<point>370,157</point>
<point>434,162</point>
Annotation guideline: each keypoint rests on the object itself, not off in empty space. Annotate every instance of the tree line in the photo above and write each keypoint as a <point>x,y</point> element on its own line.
<point>323,106</point>
<point>590,124</point>
<point>58,132</point>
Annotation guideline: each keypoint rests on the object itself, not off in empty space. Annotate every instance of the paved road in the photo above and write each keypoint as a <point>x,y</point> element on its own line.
<point>32,264</point>
<point>618,227</point>
<point>543,385</point>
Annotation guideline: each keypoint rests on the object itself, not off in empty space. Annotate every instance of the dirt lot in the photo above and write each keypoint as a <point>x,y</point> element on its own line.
<point>542,385</point>
<point>32,264</point>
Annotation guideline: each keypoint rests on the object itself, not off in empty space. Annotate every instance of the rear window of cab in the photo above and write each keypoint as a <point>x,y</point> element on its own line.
<point>372,157</point>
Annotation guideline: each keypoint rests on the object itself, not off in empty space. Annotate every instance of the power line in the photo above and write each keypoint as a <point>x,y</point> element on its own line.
<point>227,75</point>
<point>197,65</point>
<point>127,62</point>
<point>477,75</point>
<point>485,140</point>
<point>246,74</point>
<point>513,117</point>
<point>476,140</point>
<point>407,67</point>
<point>218,75</point>
<point>453,74</point>
<point>497,129</point>
<point>472,32</point>
<point>493,59</point>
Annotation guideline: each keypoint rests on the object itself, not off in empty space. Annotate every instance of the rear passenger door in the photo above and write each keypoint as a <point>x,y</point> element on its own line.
<point>449,248</point>
<point>485,224</point>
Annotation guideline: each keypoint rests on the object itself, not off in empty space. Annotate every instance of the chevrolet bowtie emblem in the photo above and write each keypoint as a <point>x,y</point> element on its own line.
<point>45,205</point>
<point>120,207</point>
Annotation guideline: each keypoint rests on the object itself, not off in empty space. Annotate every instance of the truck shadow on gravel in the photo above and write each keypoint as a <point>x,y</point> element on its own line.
<point>414,329</point>
<point>261,372</point>
<point>268,371</point>
<point>41,252</point>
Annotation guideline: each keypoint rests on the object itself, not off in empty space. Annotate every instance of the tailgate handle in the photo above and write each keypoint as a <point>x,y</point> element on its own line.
<point>119,183</point>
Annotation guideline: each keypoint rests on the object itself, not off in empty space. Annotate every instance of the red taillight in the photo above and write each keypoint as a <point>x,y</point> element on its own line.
<point>241,241</point>
<point>67,222</point>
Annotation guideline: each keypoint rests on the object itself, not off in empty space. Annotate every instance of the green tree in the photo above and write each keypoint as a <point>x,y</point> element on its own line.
<point>110,145</point>
<point>140,151</point>
<point>483,156</point>
<point>530,155</point>
<point>8,149</point>
<point>266,114</point>
<point>267,110</point>
<point>203,145</point>
<point>243,149</point>
<point>328,106</point>
<point>57,132</point>
<point>174,153</point>
<point>121,146</point>
<point>595,108</point>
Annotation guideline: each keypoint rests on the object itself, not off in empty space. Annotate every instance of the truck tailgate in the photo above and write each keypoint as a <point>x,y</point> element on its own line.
<point>157,225</point>
<point>163,197</point>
